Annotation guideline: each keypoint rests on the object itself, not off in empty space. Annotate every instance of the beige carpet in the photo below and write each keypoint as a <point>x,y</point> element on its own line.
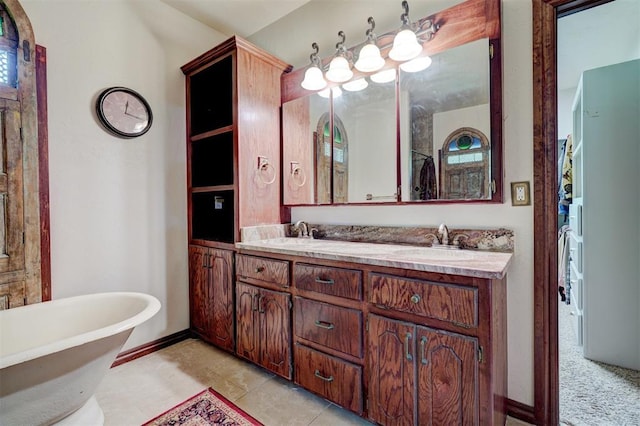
<point>593,393</point>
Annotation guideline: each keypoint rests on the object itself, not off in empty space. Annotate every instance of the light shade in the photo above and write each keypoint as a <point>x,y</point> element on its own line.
<point>369,59</point>
<point>384,76</point>
<point>416,64</point>
<point>405,46</point>
<point>326,92</point>
<point>355,85</point>
<point>313,79</point>
<point>339,70</point>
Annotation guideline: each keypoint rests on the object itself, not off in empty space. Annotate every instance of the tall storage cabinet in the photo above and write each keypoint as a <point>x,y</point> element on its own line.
<point>233,171</point>
<point>604,216</point>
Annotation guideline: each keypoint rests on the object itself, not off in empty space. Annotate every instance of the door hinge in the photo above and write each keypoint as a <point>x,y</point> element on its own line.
<point>480,354</point>
<point>26,50</point>
<point>491,51</point>
<point>21,138</point>
<point>290,304</point>
<point>23,238</point>
<point>493,186</point>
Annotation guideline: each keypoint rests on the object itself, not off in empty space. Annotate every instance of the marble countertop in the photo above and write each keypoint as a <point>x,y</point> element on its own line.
<point>473,263</point>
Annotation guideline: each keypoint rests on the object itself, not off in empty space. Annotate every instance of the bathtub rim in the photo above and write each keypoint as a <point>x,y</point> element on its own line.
<point>152,307</point>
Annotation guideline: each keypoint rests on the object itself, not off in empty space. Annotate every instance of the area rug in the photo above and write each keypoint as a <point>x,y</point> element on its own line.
<point>206,408</point>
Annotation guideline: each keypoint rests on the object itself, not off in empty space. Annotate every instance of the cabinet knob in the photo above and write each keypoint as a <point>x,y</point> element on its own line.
<point>415,298</point>
<point>260,269</point>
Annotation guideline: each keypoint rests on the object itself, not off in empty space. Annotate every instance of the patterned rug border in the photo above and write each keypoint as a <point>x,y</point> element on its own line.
<point>248,418</point>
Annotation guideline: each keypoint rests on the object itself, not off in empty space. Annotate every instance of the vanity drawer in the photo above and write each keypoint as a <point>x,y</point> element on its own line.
<point>334,379</point>
<point>263,269</point>
<point>444,302</point>
<point>327,280</point>
<point>329,325</point>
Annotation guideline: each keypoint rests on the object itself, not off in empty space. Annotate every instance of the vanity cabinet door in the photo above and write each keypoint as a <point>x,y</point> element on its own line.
<point>198,289</point>
<point>275,328</point>
<point>391,366</point>
<point>263,327</point>
<point>247,326</point>
<point>211,295</point>
<point>447,378</point>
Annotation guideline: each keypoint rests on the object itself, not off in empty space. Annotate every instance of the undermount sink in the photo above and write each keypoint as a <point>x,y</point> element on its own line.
<point>436,253</point>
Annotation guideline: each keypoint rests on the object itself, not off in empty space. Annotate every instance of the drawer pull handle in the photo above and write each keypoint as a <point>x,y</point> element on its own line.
<point>320,376</point>
<point>321,281</point>
<point>260,308</point>
<point>324,324</point>
<point>406,346</point>
<point>260,269</point>
<point>415,298</point>
<point>423,343</point>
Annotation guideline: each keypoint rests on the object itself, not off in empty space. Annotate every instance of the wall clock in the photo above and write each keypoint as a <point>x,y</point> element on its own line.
<point>124,112</point>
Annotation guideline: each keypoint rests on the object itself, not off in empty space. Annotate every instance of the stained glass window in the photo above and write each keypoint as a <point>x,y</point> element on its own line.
<point>8,49</point>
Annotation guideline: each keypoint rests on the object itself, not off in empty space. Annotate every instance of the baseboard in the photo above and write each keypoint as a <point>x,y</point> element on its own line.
<point>150,347</point>
<point>521,411</point>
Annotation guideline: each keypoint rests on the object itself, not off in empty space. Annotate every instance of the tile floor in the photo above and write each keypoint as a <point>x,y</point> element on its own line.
<point>139,390</point>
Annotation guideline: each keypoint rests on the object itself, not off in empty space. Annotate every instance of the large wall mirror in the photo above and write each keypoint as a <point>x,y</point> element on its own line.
<point>446,126</point>
<point>433,135</point>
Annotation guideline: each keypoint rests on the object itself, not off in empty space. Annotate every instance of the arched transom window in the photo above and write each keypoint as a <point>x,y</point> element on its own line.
<point>465,165</point>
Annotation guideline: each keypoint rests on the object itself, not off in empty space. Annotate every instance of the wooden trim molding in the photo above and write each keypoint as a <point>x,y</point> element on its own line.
<point>521,411</point>
<point>43,171</point>
<point>545,270</point>
<point>150,347</point>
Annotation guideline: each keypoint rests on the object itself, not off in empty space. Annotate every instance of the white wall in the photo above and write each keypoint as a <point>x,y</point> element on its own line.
<point>320,21</point>
<point>118,207</point>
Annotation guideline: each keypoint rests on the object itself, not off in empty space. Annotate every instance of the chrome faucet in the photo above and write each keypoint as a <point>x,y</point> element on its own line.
<point>303,229</point>
<point>443,234</point>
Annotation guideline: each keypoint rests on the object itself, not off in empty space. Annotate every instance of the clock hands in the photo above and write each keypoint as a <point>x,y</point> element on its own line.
<point>133,115</point>
<point>126,112</point>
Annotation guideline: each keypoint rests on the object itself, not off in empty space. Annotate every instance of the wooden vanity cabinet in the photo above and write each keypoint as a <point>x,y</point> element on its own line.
<point>420,375</point>
<point>233,171</point>
<point>436,350</point>
<point>396,346</point>
<point>263,315</point>
<point>211,295</point>
<point>328,333</point>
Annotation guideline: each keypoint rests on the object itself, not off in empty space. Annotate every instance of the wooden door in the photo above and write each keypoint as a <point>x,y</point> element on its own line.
<point>221,301</point>
<point>391,371</point>
<point>247,322</point>
<point>447,378</point>
<point>12,264</point>
<point>275,319</point>
<point>199,289</point>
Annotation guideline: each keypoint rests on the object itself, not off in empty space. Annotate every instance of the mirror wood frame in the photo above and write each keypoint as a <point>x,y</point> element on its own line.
<point>459,24</point>
<point>545,269</point>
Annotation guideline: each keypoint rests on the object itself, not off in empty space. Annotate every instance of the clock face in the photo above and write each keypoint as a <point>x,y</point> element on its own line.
<point>124,112</point>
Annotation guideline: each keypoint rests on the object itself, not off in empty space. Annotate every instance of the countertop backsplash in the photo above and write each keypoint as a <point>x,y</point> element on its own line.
<point>500,239</point>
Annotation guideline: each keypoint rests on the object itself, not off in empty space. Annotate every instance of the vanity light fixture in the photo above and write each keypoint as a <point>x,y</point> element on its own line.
<point>313,79</point>
<point>369,59</point>
<point>339,67</point>
<point>355,85</point>
<point>384,76</point>
<point>417,64</point>
<point>337,92</point>
<point>405,43</point>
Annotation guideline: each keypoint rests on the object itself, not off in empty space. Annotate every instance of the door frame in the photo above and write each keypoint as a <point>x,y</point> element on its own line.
<point>545,268</point>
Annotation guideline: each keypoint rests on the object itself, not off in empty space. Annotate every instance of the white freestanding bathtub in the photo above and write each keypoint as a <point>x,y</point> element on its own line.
<point>54,354</point>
